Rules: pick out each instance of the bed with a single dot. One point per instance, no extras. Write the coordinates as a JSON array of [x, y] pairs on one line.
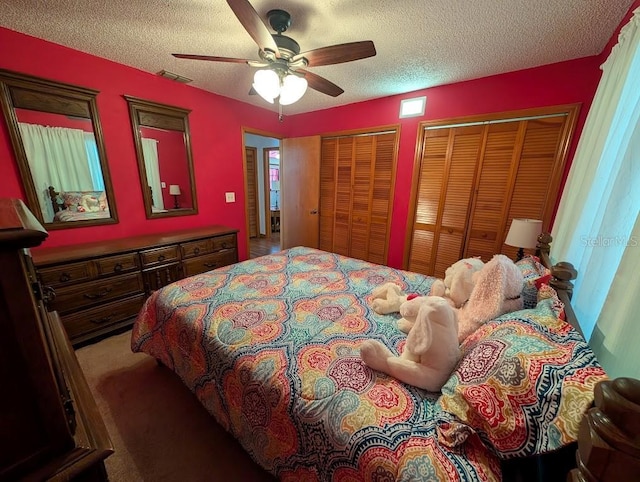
[[78, 205], [270, 347]]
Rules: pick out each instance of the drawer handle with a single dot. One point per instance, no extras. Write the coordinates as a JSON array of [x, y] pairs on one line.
[[210, 265], [224, 245], [99, 321], [161, 257], [95, 296], [117, 268], [64, 277], [196, 251]]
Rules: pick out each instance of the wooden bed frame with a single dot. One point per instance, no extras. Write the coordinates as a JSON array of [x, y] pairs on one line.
[[53, 194], [608, 447]]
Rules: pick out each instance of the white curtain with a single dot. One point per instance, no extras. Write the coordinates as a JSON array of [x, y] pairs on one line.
[[152, 166], [57, 157], [596, 227], [95, 168]]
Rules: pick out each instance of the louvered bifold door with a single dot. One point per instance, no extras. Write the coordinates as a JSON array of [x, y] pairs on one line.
[[344, 181], [381, 196], [357, 173], [537, 181], [498, 165], [328, 162], [443, 197]]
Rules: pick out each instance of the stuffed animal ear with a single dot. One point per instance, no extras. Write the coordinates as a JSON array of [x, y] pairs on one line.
[[420, 337], [433, 309]]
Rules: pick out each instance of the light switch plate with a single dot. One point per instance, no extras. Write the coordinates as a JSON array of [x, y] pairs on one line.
[[230, 197]]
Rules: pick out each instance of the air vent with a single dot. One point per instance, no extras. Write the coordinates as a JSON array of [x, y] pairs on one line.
[[176, 77]]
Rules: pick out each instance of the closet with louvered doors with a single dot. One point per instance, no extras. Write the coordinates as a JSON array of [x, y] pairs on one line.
[[357, 177], [472, 176]]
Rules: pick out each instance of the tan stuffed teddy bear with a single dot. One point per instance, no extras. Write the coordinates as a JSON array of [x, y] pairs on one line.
[[431, 352]]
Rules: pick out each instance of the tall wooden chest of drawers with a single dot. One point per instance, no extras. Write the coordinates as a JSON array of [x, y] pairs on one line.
[[98, 288]]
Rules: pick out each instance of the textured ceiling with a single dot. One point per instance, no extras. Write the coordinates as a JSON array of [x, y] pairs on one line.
[[419, 43]]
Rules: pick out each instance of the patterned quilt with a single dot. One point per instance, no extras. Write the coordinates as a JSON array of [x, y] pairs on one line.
[[270, 346]]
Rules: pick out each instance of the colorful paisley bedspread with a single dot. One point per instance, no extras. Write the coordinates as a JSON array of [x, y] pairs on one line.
[[270, 347]]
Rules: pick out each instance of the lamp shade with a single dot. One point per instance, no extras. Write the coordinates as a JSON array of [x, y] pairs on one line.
[[267, 84], [174, 189], [293, 88], [524, 233]]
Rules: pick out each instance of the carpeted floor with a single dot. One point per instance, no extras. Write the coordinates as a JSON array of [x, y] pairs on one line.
[[159, 430]]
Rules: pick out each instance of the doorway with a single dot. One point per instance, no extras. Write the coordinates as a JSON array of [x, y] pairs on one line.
[[262, 177]]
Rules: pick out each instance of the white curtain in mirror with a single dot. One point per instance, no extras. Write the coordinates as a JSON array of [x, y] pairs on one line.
[[152, 166], [57, 157]]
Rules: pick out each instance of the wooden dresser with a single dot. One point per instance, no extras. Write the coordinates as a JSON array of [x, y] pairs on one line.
[[99, 287], [50, 426]]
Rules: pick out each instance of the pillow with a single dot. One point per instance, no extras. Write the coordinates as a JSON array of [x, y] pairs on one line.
[[83, 201], [522, 385], [532, 270]]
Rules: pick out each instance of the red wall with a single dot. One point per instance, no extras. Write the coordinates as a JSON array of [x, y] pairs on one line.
[[216, 124], [216, 136]]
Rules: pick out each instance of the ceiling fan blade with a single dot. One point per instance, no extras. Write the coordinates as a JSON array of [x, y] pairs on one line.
[[321, 84], [211, 58], [254, 25], [337, 54]]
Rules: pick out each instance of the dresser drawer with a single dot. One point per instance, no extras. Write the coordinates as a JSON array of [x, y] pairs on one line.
[[65, 274], [122, 263], [224, 242], [101, 317], [196, 248], [71, 298], [154, 257], [201, 264]]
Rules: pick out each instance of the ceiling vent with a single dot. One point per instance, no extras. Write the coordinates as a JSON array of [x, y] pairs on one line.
[[176, 77]]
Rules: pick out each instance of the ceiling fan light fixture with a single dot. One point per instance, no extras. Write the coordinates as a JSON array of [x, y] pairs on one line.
[[267, 84], [292, 90]]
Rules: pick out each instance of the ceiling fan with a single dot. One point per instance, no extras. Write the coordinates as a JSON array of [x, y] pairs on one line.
[[284, 75]]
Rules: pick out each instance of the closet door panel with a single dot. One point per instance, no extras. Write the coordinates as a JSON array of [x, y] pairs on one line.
[[344, 181], [381, 196], [421, 251], [361, 196], [535, 190], [431, 179], [327, 192], [460, 172], [498, 166]]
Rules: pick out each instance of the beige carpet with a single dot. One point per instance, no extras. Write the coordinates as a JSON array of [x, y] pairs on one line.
[[159, 430]]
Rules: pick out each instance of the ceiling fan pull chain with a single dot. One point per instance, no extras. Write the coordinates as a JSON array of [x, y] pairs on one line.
[[280, 118]]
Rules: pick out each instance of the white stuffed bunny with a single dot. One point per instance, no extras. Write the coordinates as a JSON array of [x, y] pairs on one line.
[[458, 281], [431, 352]]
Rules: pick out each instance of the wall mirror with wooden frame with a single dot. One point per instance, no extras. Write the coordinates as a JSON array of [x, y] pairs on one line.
[[57, 139], [163, 148]]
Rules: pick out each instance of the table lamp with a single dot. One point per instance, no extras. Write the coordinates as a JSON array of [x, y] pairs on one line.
[[523, 234], [174, 190]]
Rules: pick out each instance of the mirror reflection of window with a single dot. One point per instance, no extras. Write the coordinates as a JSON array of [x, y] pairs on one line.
[[165, 161], [62, 153], [150, 154]]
